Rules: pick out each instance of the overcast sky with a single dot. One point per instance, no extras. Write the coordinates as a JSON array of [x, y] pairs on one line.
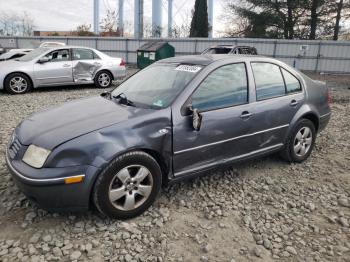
[[64, 15]]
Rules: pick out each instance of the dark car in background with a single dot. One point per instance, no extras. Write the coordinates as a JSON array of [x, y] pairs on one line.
[[178, 118], [230, 49]]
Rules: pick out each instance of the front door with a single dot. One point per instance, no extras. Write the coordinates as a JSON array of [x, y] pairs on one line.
[[222, 100], [58, 70]]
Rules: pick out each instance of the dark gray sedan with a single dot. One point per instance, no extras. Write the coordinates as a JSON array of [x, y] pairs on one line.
[[175, 119]]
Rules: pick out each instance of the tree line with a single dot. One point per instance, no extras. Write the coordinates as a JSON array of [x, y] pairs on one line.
[[289, 19]]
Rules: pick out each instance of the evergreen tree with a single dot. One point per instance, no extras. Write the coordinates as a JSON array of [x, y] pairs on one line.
[[199, 24]]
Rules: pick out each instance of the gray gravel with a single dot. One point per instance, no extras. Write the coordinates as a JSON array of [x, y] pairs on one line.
[[261, 210]]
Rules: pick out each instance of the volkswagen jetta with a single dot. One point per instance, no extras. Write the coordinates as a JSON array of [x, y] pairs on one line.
[[175, 119]]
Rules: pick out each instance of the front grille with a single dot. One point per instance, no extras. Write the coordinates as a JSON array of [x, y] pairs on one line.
[[14, 147]]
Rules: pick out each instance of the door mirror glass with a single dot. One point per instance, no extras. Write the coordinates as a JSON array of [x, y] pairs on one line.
[[43, 60], [196, 118]]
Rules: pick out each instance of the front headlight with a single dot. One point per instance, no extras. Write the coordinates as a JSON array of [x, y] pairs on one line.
[[35, 156]]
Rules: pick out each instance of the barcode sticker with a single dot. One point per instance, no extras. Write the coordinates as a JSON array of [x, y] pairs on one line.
[[188, 68]]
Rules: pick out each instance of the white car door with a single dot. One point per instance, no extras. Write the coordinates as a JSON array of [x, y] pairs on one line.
[[58, 69]]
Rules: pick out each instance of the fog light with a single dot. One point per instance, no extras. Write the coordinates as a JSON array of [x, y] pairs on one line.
[[74, 179]]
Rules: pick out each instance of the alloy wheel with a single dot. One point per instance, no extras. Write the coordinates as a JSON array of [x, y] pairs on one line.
[[18, 84], [104, 79], [130, 187], [303, 141]]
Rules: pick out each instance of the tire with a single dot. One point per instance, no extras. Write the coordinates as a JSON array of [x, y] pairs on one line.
[[117, 192], [300, 142], [17, 83], [103, 79]]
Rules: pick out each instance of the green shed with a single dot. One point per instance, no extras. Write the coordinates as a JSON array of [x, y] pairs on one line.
[[153, 51]]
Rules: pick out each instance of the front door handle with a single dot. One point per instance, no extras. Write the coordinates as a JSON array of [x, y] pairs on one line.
[[66, 65], [246, 115], [294, 103]]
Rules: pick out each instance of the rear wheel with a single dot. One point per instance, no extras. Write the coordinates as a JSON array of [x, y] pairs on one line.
[[17, 83], [300, 142], [128, 186], [103, 79]]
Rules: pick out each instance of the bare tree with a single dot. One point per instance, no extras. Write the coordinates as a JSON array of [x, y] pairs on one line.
[[14, 24], [108, 23]]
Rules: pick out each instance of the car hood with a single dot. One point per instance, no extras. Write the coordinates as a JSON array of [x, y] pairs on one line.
[[55, 126]]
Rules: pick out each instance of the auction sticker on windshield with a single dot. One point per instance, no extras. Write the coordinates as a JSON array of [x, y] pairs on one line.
[[188, 68]]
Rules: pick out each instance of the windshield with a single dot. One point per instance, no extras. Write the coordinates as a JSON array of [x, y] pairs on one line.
[[157, 86], [33, 54]]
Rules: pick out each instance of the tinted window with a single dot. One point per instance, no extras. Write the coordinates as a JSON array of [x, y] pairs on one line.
[[226, 86], [83, 54], [58, 55], [268, 80], [292, 83]]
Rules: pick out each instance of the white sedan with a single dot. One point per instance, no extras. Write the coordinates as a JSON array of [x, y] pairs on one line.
[[64, 65]]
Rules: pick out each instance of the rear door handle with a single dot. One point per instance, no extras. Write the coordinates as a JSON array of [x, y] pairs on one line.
[[246, 115], [66, 65], [97, 64], [294, 102]]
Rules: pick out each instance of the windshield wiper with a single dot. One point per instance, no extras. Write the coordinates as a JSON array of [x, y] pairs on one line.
[[123, 99]]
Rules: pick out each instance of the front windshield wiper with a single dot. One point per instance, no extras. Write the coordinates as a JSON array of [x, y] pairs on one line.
[[123, 99]]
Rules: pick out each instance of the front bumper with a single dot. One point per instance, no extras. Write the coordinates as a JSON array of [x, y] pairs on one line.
[[47, 188]]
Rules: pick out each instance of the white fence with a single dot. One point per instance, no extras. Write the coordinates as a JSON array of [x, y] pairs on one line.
[[318, 56]]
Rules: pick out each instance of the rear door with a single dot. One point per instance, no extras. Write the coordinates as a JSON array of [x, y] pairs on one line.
[[222, 100], [58, 70], [278, 97]]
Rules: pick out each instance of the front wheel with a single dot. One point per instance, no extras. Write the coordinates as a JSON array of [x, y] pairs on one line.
[[300, 142], [128, 186], [103, 79], [17, 83]]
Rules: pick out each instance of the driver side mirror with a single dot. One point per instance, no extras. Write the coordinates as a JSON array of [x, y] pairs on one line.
[[196, 118], [43, 60]]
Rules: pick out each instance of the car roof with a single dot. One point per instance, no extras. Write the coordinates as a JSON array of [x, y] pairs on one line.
[[209, 58], [66, 47]]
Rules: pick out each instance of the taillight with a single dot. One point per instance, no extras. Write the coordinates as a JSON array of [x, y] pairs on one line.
[[329, 97], [122, 62]]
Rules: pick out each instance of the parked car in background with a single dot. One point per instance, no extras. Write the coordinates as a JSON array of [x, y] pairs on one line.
[[14, 53], [2, 50], [231, 49], [178, 118], [65, 65], [51, 44]]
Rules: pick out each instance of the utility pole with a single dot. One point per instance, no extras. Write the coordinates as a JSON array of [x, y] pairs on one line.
[[210, 17], [138, 18], [156, 18], [121, 17], [170, 17], [96, 16]]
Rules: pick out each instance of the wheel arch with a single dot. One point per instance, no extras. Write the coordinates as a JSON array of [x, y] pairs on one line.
[[104, 70], [19, 72]]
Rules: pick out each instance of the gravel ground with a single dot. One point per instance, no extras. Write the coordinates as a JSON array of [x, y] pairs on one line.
[[261, 210]]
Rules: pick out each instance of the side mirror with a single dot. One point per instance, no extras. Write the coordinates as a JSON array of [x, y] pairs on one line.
[[43, 60], [196, 118]]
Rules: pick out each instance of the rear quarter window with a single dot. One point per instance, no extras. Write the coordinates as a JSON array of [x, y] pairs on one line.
[[292, 83]]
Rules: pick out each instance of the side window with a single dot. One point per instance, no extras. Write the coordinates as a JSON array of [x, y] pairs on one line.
[[58, 55], [224, 87], [83, 54], [96, 56], [292, 83], [268, 80]]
